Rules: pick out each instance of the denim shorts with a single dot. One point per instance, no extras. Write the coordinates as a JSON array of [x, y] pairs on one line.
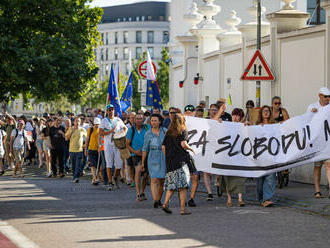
[[39, 144]]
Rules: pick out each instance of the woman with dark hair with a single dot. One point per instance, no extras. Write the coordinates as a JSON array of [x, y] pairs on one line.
[[249, 105], [266, 184], [234, 184], [175, 148], [47, 146], [152, 151]]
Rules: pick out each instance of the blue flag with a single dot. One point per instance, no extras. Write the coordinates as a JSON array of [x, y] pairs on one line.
[[153, 95], [126, 97], [113, 96]]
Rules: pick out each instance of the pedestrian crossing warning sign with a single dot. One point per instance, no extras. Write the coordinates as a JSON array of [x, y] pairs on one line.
[[258, 69]]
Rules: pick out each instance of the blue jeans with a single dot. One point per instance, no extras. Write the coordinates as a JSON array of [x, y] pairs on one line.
[[66, 158], [76, 161], [266, 187]]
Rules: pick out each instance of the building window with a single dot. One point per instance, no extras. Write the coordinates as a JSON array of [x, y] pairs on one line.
[[125, 52], [106, 38], [138, 53], [138, 36], [137, 18], [106, 55], [149, 18], [116, 53], [106, 69], [129, 19], [316, 12], [116, 37], [125, 37], [161, 18], [166, 37], [150, 36], [102, 58], [102, 38], [151, 52], [143, 18], [127, 69]]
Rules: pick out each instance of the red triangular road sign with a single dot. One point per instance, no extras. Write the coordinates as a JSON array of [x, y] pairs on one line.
[[258, 69]]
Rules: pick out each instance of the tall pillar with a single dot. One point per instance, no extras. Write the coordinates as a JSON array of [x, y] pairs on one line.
[[285, 20], [190, 55], [326, 6], [206, 31]]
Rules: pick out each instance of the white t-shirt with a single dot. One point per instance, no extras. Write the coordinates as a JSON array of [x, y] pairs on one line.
[[315, 105], [2, 150], [19, 141], [108, 124]]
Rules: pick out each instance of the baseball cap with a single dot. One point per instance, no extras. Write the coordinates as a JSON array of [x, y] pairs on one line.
[[189, 108], [109, 106], [97, 121], [324, 91]]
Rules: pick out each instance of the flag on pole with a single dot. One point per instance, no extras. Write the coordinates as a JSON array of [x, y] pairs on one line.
[[113, 96], [126, 97], [229, 100], [153, 95]]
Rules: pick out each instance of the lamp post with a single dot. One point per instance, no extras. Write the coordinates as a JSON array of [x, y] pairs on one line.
[[258, 84]]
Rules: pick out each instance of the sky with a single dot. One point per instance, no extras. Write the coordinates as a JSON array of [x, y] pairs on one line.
[[104, 3]]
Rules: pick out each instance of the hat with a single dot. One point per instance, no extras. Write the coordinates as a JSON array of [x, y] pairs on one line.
[[109, 106], [222, 100], [97, 121], [189, 108], [21, 121], [324, 91]]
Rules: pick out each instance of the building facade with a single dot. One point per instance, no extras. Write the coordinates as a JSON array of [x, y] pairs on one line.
[[129, 30]]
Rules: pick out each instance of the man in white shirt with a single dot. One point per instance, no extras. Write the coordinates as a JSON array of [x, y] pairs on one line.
[[324, 97], [18, 140], [112, 128]]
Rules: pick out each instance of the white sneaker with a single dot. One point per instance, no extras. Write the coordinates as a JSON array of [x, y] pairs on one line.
[[49, 174]]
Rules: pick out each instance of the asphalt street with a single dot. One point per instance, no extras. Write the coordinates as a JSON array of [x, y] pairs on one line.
[[58, 213]]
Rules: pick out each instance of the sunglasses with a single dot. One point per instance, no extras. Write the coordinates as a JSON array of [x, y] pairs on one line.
[[110, 109], [172, 113], [277, 103], [327, 96]]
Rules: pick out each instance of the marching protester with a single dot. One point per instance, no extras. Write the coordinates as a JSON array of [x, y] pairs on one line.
[[249, 105], [9, 127], [175, 148], [266, 184], [110, 127], [3, 136], [47, 146], [234, 184], [324, 97], [92, 149], [39, 142], [75, 135], [134, 143], [18, 141], [66, 146], [57, 138], [279, 114], [152, 152]]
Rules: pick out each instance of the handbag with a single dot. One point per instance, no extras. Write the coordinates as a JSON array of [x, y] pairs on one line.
[[120, 143]]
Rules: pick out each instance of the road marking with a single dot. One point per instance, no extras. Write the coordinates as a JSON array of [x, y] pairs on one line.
[[250, 212], [15, 236]]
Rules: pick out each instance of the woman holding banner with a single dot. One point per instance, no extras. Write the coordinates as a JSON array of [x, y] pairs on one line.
[[235, 185], [178, 162], [266, 185]]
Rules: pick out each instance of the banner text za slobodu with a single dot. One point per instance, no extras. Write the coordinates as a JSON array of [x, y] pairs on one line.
[[233, 149]]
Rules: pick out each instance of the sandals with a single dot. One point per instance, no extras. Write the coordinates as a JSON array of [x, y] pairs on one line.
[[267, 204], [166, 209], [185, 212], [240, 203], [229, 204], [318, 195]]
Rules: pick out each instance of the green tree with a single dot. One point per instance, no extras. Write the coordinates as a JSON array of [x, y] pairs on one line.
[[47, 48], [163, 77]]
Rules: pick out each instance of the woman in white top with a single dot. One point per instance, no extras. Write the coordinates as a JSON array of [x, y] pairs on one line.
[[39, 141]]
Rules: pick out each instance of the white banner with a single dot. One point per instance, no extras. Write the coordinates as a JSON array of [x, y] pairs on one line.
[[233, 149]]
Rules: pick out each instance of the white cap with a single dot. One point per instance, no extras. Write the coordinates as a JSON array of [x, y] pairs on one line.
[[97, 121], [324, 91]]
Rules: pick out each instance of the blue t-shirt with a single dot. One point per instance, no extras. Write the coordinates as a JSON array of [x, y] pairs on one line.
[[138, 139]]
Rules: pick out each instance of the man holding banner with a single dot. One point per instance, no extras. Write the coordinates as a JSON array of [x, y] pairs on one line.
[[324, 95]]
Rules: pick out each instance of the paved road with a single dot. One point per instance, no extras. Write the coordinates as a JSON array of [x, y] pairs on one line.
[[57, 213]]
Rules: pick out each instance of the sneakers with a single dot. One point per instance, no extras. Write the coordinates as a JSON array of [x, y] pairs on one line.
[[49, 175], [191, 203], [132, 185], [76, 180], [143, 197], [116, 183], [110, 187], [210, 197]]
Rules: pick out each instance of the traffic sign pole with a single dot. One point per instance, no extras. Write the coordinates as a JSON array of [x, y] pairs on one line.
[[258, 84]]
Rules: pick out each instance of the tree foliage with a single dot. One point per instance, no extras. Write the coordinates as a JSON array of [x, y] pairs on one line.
[[47, 48], [163, 76]]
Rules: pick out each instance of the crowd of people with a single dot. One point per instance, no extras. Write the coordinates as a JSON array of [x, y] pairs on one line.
[[137, 149]]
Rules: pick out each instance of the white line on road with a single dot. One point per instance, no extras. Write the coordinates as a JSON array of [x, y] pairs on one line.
[[15, 236]]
